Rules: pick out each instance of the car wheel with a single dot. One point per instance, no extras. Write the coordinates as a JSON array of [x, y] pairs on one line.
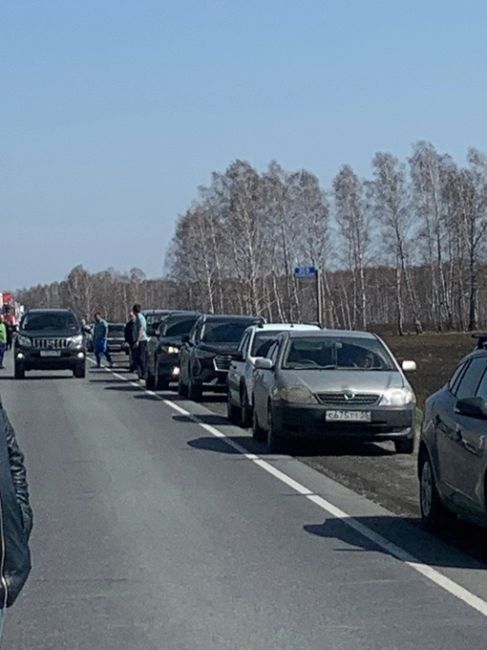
[[274, 440], [80, 371], [434, 514], [245, 410], [161, 383], [182, 388], [150, 380], [404, 446], [19, 371], [195, 392], [258, 432], [232, 412]]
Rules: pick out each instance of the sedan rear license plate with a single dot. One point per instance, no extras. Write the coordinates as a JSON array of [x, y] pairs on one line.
[[50, 353], [348, 416]]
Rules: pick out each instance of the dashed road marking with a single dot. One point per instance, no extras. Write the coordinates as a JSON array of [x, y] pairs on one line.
[[427, 571]]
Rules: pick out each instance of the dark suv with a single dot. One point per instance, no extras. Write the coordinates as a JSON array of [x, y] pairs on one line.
[[163, 348], [206, 353], [49, 339]]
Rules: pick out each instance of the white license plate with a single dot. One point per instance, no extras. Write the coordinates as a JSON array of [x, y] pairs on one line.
[[50, 353], [348, 416]]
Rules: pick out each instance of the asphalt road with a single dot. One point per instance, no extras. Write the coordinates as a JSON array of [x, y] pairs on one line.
[[154, 529]]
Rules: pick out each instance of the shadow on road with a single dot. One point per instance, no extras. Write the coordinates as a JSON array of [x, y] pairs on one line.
[[448, 549]]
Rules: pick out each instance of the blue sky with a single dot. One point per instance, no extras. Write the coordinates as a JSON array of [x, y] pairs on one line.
[[113, 112]]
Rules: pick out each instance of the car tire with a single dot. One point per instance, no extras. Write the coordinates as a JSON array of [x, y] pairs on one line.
[[19, 371], [232, 412], [161, 383], [80, 371], [195, 391], [404, 446], [274, 440], [150, 380], [182, 388], [434, 513], [245, 410], [258, 432]]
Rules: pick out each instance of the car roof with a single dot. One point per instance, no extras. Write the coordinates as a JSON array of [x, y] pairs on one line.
[[285, 327], [234, 317], [156, 311], [49, 310], [333, 333]]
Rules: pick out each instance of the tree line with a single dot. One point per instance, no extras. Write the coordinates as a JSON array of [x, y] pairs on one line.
[[404, 248]]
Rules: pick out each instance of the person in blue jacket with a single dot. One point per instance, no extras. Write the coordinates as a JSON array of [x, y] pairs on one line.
[[100, 340]]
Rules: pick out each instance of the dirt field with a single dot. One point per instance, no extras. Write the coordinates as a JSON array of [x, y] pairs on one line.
[[436, 356]]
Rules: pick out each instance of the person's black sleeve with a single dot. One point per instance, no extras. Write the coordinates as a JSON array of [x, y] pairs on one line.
[[19, 476]]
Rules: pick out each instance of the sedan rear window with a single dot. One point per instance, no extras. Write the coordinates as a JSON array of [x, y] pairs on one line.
[[341, 353]]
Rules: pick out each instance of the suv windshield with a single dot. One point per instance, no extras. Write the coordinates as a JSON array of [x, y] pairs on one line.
[[116, 329], [224, 331], [179, 327], [50, 322], [341, 353]]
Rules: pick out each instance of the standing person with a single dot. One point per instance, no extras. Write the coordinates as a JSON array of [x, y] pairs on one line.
[[100, 340], [16, 517], [130, 335], [3, 339], [141, 338]]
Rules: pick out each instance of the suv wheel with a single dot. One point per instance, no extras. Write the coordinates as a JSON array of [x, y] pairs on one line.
[[182, 388], [150, 380], [195, 391], [404, 446], [80, 371], [433, 513], [258, 432], [245, 410], [232, 412], [19, 371]]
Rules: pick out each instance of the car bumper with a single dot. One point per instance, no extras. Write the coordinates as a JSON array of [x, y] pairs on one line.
[[388, 423], [32, 360]]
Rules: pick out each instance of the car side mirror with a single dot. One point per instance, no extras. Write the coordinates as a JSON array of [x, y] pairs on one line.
[[409, 366], [151, 330], [262, 363], [472, 407]]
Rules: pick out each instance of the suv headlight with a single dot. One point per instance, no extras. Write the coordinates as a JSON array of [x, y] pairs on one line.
[[172, 349], [295, 394], [397, 397], [76, 341], [24, 341]]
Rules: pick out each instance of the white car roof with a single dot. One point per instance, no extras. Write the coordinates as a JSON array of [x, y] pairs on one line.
[[284, 327]]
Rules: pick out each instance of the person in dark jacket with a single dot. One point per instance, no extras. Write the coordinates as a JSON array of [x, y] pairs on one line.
[[15, 518], [130, 335]]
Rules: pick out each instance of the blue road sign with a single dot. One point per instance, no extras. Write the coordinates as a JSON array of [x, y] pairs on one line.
[[305, 272]]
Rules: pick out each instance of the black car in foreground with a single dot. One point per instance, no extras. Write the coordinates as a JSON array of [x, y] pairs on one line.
[[207, 351], [162, 365], [49, 339], [452, 459]]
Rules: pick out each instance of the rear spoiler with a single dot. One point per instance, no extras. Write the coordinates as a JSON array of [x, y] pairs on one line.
[[481, 338]]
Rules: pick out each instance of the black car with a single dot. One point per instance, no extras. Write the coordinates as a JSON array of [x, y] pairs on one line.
[[162, 364], [206, 353], [50, 339], [452, 459]]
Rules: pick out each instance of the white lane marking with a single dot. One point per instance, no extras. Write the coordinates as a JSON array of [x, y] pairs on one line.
[[433, 575]]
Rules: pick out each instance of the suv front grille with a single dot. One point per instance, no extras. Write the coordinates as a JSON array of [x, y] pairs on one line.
[[50, 343], [348, 399], [222, 363]]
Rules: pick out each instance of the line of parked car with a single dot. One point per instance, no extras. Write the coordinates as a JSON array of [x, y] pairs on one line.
[[298, 381]]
